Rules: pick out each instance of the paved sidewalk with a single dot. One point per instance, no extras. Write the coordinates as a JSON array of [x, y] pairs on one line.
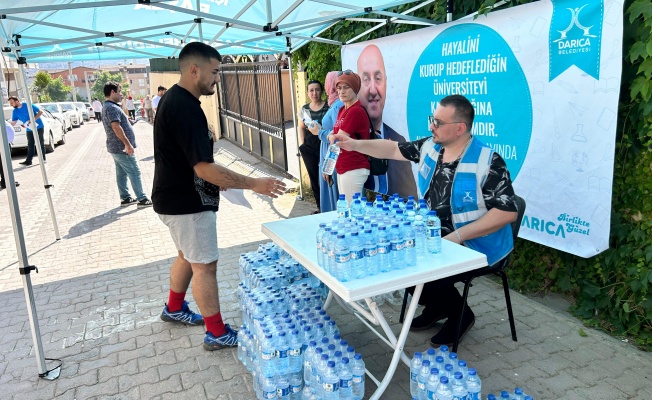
[[101, 288]]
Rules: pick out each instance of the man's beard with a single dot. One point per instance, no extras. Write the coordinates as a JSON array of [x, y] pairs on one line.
[[208, 91]]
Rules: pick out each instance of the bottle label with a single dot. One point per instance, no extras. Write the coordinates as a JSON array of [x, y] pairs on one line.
[[370, 251], [345, 383], [474, 396], [422, 386], [269, 395], [343, 258], [317, 377], [282, 353], [244, 348], [268, 356], [318, 246], [344, 214], [413, 376], [308, 365], [357, 254], [357, 379], [295, 389], [433, 233], [409, 243], [383, 249], [295, 352], [282, 392], [431, 395], [331, 387], [397, 246]]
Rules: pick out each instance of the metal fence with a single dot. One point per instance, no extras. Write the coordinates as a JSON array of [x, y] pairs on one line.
[[251, 109]]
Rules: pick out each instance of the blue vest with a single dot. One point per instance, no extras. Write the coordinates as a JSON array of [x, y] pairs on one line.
[[467, 203]]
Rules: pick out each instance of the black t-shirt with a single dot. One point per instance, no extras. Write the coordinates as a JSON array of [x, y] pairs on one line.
[[308, 138], [181, 140], [497, 190]]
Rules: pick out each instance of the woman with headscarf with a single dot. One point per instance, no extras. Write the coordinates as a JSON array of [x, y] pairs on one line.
[[315, 111], [328, 183], [352, 120]]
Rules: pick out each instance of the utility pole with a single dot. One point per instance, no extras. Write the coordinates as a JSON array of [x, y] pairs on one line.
[[72, 82]]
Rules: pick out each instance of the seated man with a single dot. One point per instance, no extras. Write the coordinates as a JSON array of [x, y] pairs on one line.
[[475, 206]]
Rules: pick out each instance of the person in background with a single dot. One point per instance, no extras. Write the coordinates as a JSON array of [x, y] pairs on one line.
[[131, 107], [328, 193], [469, 186], [21, 113], [147, 104], [97, 109], [352, 121], [10, 139], [157, 98], [315, 110]]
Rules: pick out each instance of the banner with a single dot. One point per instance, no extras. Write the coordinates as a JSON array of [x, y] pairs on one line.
[[544, 79]]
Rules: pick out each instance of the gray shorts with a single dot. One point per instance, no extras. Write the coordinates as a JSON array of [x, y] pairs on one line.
[[195, 235]]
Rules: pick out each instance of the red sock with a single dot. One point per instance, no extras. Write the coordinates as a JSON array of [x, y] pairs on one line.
[[215, 325], [175, 302]]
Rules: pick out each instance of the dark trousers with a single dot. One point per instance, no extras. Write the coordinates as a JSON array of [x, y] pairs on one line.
[[31, 149], [442, 295], [98, 116], [310, 157]]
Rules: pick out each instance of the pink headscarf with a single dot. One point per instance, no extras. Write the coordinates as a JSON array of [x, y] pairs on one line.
[[331, 82]]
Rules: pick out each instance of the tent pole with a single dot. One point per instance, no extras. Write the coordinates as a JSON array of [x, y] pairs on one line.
[[449, 10], [294, 117], [24, 266], [44, 174]]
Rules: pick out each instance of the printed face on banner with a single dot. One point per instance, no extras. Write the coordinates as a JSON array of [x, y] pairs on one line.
[[371, 68], [475, 61]]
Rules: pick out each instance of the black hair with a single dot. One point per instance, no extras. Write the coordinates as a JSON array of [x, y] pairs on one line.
[[313, 81], [463, 108], [109, 87], [14, 98], [199, 50], [161, 88]]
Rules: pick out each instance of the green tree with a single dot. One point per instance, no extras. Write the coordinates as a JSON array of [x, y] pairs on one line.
[[57, 90], [40, 86], [101, 79]]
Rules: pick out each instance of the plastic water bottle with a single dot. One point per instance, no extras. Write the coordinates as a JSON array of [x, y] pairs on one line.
[[379, 201], [443, 351], [296, 384], [319, 240], [491, 396], [346, 380], [459, 387], [282, 387], [415, 366], [267, 357], [384, 248], [342, 259], [242, 348], [432, 383], [331, 383], [357, 209], [357, 256], [397, 252], [518, 394], [342, 208], [295, 351], [420, 235], [433, 224], [330, 247], [422, 379], [474, 385], [504, 394], [269, 388], [331, 159], [369, 243], [358, 371], [369, 209], [444, 391], [282, 359], [408, 234], [308, 360]]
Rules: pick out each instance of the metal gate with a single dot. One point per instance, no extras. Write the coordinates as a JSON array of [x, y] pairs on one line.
[[251, 109]]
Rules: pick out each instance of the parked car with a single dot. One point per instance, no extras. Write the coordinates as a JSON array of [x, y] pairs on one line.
[[57, 110], [75, 114], [53, 132], [81, 106], [89, 110]]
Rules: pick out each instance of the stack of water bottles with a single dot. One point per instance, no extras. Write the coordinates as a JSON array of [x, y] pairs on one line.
[[518, 394], [440, 375], [371, 238], [289, 344]]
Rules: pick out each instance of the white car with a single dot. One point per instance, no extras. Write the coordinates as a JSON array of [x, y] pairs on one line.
[[58, 111], [82, 107], [75, 113], [53, 133]]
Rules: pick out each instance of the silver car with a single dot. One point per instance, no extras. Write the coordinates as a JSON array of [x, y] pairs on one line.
[[53, 132], [81, 106]]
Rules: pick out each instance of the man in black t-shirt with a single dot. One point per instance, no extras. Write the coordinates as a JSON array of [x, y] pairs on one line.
[[475, 208], [186, 193]]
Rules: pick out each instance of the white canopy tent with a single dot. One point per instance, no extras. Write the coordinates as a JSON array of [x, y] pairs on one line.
[[85, 30]]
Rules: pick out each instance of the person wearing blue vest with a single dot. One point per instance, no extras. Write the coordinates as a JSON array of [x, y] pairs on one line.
[[469, 186]]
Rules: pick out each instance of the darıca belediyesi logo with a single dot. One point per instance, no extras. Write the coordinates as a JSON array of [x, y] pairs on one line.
[[575, 36]]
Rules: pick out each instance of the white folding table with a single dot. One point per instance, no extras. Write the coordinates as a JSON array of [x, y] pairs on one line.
[[297, 236]]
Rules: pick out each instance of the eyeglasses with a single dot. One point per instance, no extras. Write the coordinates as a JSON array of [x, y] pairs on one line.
[[437, 123], [345, 72]]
